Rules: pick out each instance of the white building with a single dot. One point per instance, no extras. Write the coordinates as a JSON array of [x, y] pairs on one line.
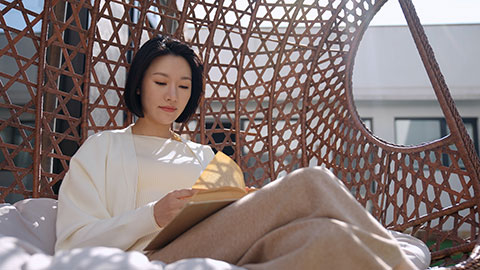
[[391, 86]]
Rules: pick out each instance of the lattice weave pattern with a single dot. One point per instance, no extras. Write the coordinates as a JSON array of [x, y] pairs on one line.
[[278, 97]]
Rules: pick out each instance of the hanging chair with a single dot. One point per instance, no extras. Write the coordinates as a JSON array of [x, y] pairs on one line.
[[278, 97]]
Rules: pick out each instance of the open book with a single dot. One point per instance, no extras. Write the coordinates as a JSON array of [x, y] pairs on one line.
[[220, 184]]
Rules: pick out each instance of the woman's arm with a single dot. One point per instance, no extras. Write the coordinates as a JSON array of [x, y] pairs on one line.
[[170, 205], [83, 218]]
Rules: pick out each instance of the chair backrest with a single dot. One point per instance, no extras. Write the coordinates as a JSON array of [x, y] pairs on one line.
[[278, 97]]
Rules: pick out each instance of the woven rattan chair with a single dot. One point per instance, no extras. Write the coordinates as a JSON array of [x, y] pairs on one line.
[[278, 97]]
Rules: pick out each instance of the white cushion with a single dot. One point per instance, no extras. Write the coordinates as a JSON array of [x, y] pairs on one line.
[[414, 248], [16, 254], [27, 239], [31, 220]]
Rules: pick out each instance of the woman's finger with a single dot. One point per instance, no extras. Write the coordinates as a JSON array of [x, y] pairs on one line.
[[184, 193]]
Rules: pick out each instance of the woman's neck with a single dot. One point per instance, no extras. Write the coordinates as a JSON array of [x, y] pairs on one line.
[[142, 127]]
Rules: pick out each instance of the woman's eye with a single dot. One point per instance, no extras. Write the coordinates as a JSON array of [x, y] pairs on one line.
[[184, 86], [161, 83]]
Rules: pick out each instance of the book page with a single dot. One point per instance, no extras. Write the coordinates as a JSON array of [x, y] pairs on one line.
[[221, 171], [220, 184]]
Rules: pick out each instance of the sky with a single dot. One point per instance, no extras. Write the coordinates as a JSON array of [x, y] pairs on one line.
[[431, 12]]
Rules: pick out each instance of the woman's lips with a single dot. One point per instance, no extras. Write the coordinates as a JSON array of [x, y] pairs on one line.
[[168, 109]]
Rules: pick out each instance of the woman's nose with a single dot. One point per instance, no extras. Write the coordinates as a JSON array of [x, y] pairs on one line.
[[171, 93]]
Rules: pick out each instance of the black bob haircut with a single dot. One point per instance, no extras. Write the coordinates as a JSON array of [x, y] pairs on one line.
[[155, 47]]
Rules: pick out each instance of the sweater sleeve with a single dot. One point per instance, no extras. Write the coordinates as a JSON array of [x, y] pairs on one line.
[[83, 218]]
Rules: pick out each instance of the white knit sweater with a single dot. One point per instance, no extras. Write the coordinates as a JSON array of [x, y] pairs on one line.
[[97, 198]]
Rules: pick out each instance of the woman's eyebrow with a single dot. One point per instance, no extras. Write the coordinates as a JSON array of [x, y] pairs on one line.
[[160, 73], [164, 74]]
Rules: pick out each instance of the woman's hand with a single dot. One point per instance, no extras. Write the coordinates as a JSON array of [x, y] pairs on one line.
[[169, 206]]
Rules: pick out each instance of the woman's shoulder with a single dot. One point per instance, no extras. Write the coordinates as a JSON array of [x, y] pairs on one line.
[[199, 146], [205, 151], [102, 140], [108, 134]]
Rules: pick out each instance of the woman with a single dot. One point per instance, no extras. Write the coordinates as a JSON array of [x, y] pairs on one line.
[[124, 186]]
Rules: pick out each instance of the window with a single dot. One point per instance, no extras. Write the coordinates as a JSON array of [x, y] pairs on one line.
[[368, 122], [11, 135], [413, 131]]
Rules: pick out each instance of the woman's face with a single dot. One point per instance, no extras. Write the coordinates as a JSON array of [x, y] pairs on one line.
[[166, 88]]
